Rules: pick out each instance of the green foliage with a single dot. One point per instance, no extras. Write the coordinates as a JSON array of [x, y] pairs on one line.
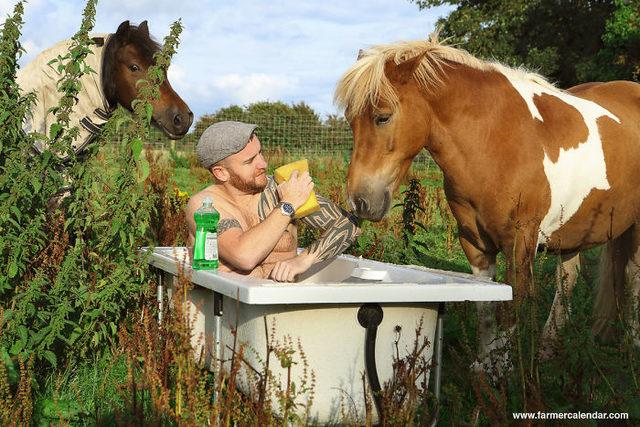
[[26, 184], [71, 67], [71, 269], [17, 172], [260, 111], [178, 160], [570, 42], [586, 375], [620, 57], [85, 394], [16, 404], [12, 106], [411, 205]]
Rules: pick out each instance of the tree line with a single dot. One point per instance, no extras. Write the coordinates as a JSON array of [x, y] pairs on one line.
[[293, 126], [570, 42]]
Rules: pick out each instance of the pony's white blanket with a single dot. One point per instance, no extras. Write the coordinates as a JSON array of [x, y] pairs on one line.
[[91, 110]]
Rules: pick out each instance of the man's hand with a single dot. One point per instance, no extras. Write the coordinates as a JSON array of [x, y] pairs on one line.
[[296, 189], [286, 271]]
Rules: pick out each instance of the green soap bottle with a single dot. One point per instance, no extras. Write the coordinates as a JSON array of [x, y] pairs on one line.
[[205, 249]]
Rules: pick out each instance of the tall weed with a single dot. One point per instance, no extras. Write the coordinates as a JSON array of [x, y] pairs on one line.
[[71, 270]]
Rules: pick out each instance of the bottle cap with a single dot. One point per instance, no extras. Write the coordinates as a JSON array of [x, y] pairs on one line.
[[207, 202]]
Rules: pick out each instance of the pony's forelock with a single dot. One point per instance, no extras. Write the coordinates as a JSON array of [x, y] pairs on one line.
[[366, 84]]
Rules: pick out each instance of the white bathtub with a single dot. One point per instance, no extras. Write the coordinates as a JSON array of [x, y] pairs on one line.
[[322, 311]]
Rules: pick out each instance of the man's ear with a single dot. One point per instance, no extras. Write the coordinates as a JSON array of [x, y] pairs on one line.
[[220, 173]]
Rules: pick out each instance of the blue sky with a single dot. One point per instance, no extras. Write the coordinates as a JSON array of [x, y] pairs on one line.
[[239, 52]]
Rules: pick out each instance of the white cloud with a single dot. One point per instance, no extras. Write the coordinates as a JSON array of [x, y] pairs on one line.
[[177, 75], [246, 89], [6, 6], [244, 51], [31, 49]]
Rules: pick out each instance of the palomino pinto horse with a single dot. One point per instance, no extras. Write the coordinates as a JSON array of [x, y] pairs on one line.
[[118, 60], [525, 164]]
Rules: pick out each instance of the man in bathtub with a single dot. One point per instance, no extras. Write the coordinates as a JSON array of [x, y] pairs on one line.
[[257, 234]]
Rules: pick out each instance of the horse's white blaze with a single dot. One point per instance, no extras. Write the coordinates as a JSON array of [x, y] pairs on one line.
[[577, 170]]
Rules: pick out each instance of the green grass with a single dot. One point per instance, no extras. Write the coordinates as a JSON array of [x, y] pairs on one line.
[[587, 375], [85, 394], [184, 180]]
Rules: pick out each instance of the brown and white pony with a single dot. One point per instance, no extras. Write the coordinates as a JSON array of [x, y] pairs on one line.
[[525, 163]]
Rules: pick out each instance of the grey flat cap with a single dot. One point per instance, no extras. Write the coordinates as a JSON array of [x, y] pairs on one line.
[[222, 139]]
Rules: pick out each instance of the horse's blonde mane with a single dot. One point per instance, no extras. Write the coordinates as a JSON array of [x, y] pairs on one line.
[[365, 83]]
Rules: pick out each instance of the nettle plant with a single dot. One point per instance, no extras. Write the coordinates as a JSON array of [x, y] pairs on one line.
[[412, 205], [69, 273]]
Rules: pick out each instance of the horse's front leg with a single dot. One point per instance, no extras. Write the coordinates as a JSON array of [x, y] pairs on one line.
[[519, 255], [481, 253], [483, 264], [498, 320], [566, 277]]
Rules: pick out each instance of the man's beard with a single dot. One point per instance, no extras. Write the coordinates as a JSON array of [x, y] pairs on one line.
[[250, 186]]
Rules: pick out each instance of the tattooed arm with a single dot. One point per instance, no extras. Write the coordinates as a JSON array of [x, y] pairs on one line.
[[339, 229], [227, 224]]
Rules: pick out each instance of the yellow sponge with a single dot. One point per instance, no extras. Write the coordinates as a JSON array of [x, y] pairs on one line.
[[284, 172]]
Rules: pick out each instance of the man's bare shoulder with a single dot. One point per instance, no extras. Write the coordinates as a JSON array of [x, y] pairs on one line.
[[219, 202], [196, 199]]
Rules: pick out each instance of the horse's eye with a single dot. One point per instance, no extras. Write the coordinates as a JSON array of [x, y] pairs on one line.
[[134, 68], [381, 119]]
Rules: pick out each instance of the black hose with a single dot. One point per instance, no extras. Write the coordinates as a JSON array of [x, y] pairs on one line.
[[369, 317]]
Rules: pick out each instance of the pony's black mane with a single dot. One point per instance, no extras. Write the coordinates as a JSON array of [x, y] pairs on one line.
[[145, 44]]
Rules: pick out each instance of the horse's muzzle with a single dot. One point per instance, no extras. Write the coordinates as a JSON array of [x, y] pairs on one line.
[[372, 206], [175, 123], [182, 122]]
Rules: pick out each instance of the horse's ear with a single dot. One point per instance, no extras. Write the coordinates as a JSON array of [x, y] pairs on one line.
[[144, 28], [123, 30], [402, 72], [360, 54]]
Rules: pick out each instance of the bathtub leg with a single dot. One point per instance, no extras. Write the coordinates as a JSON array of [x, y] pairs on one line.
[[437, 354], [217, 313], [160, 294], [217, 316], [370, 316]]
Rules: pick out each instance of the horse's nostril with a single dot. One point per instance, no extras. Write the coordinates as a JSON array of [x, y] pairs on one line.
[[361, 204], [183, 120], [352, 204]]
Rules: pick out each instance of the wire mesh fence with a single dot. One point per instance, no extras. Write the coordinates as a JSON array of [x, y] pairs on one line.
[[292, 135]]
